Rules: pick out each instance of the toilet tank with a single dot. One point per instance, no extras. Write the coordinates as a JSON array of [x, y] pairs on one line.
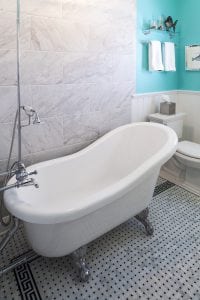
[[173, 121]]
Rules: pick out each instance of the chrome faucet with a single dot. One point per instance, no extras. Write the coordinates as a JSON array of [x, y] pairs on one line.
[[21, 175]]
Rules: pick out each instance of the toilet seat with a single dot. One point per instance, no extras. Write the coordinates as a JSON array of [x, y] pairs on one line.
[[189, 149]]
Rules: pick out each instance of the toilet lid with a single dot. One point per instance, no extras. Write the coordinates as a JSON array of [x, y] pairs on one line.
[[189, 148]]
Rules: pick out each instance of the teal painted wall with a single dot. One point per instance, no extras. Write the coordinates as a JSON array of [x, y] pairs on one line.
[[153, 81], [189, 34]]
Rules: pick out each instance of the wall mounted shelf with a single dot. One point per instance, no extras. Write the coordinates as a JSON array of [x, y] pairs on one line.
[[154, 30]]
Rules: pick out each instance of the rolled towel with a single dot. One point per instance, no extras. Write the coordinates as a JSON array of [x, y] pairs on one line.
[[169, 56], [155, 56]]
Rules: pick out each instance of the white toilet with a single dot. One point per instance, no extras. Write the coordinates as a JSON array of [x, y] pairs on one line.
[[184, 168]]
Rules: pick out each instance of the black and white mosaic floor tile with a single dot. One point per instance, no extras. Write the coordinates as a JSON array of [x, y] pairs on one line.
[[125, 263]]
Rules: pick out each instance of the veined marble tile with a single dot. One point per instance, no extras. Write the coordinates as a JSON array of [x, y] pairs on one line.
[[8, 31], [71, 99], [58, 35], [6, 136], [35, 138], [120, 117], [8, 67], [76, 98], [90, 68], [8, 5], [113, 37], [43, 136], [58, 152], [110, 96], [47, 99], [95, 12], [48, 8], [8, 102], [41, 67], [55, 100], [124, 68], [79, 128], [25, 33], [3, 166]]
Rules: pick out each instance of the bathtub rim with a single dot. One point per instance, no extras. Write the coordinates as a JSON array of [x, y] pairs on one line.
[[103, 197]]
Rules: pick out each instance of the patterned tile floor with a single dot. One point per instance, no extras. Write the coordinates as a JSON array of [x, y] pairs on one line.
[[125, 263]]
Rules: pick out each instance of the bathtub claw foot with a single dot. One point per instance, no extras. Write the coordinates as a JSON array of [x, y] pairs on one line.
[[80, 264], [143, 218], [84, 274]]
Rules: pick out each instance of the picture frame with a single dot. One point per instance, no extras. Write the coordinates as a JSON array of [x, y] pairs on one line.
[[192, 58]]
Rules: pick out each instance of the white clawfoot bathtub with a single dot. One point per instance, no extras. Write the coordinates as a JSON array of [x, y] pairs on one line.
[[84, 195]]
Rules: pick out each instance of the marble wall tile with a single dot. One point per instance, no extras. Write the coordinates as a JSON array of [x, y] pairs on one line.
[[58, 152], [120, 117], [8, 74], [25, 33], [3, 166], [82, 127], [55, 100], [95, 12], [47, 100], [48, 8], [124, 68], [102, 120], [71, 99], [35, 138], [8, 31], [8, 102], [57, 35], [6, 136], [77, 98], [88, 68], [114, 38], [44, 136], [8, 5], [41, 67], [110, 96]]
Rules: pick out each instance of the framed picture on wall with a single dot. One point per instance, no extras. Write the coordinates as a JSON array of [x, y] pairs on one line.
[[192, 58]]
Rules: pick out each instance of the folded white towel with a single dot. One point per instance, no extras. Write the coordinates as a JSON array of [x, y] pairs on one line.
[[169, 56], [155, 56]]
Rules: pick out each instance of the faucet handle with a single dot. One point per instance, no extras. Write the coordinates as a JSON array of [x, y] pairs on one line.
[[33, 173], [28, 182], [34, 182]]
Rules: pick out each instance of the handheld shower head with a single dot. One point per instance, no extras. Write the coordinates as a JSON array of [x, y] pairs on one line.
[[29, 111]]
